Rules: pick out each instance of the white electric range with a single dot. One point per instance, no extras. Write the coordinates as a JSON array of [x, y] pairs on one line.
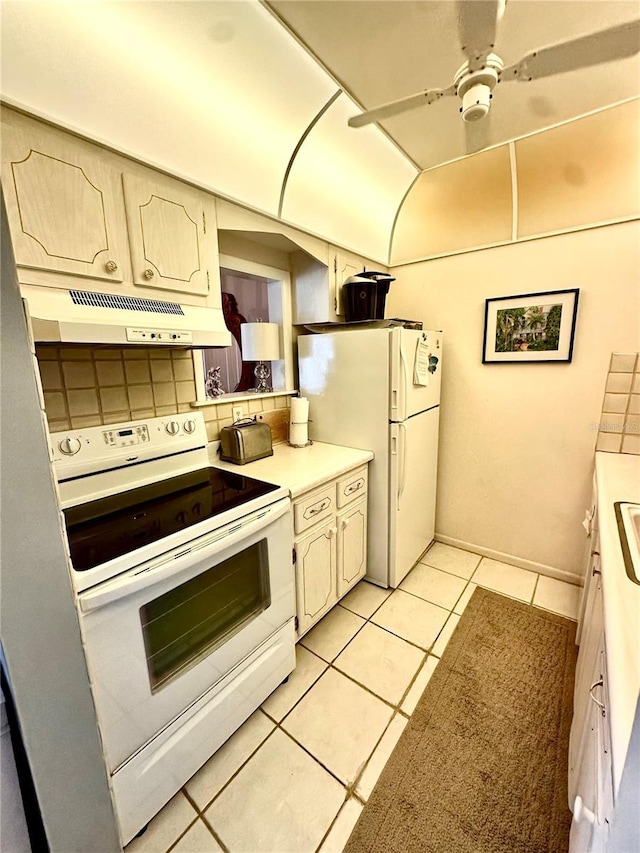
[[185, 592]]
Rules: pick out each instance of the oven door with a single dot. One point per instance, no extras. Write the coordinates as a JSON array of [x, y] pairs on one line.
[[159, 636]]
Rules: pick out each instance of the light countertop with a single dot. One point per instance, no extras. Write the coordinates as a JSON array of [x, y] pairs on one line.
[[618, 479], [298, 468]]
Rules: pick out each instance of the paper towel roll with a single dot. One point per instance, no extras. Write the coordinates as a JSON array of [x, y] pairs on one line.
[[299, 410], [298, 434]]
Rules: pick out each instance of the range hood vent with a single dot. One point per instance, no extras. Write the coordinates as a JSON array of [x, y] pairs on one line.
[[126, 303], [84, 316]]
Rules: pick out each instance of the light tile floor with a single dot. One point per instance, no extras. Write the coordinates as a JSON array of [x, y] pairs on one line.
[[296, 775]]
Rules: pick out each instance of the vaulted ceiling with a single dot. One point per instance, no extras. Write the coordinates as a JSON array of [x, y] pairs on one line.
[[382, 50], [251, 100]]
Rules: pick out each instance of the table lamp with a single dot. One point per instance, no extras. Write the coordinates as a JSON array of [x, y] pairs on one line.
[[261, 342]]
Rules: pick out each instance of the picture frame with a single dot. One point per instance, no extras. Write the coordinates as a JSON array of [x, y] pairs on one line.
[[530, 327]]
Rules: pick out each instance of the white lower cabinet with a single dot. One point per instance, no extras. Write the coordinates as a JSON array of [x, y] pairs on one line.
[[590, 772], [330, 526], [315, 574], [352, 547]]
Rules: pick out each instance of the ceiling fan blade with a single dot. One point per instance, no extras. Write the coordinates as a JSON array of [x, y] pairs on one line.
[[477, 28], [594, 49], [402, 105], [478, 134]]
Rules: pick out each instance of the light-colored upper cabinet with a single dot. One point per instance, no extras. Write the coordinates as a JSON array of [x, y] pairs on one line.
[[172, 235], [64, 206], [343, 265], [317, 288], [80, 211]]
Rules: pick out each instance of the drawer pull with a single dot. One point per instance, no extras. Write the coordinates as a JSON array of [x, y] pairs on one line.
[[598, 703], [581, 812], [354, 487], [316, 508]]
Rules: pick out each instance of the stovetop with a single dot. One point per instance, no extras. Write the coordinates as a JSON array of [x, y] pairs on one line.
[[107, 528], [132, 491]]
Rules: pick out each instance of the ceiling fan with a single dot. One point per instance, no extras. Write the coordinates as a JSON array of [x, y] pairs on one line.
[[474, 81]]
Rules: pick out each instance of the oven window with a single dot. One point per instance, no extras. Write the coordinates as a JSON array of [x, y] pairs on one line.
[[182, 625]]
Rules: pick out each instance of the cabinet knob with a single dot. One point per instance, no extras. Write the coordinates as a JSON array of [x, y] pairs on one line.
[[148, 274], [332, 532], [111, 266]]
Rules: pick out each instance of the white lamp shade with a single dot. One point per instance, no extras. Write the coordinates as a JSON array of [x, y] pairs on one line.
[[260, 341]]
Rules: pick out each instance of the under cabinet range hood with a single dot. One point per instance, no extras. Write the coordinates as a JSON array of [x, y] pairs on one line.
[[87, 317]]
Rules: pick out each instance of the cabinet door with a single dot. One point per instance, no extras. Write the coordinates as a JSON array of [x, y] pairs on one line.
[[590, 777], [173, 238], [582, 741], [313, 290], [352, 546], [315, 574], [345, 264], [586, 774], [65, 206]]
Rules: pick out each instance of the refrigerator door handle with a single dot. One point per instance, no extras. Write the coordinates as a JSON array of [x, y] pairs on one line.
[[402, 391], [403, 456]]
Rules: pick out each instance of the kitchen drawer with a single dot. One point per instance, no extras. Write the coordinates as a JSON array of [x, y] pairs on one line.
[[352, 486], [314, 507]]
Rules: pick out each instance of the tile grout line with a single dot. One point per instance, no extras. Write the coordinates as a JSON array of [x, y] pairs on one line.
[[317, 760], [344, 606], [535, 588], [182, 834], [442, 607], [445, 571], [202, 811], [218, 839]]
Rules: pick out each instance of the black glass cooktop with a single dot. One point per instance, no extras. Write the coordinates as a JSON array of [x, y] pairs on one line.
[[101, 530]]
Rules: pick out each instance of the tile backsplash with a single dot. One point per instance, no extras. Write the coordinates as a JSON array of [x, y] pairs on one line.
[[619, 426], [91, 386]]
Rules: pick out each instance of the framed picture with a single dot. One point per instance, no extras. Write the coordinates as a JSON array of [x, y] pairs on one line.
[[530, 327]]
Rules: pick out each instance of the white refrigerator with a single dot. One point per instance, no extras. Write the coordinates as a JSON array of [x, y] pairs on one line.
[[364, 392]]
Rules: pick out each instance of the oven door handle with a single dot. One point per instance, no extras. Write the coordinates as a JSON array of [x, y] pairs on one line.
[[170, 566]]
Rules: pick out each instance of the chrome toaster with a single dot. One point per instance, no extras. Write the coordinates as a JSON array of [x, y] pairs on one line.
[[245, 441]]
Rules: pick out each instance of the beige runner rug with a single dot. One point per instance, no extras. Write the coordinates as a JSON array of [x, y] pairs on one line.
[[482, 764]]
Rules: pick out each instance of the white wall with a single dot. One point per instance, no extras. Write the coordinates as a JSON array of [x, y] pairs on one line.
[[517, 441]]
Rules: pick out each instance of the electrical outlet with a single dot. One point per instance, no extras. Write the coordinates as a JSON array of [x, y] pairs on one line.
[[236, 413]]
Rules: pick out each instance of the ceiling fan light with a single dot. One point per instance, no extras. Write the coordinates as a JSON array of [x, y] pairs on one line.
[[476, 102]]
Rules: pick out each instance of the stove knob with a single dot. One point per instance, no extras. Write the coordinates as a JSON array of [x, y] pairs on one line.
[[173, 427], [181, 517], [197, 509], [69, 446], [189, 426]]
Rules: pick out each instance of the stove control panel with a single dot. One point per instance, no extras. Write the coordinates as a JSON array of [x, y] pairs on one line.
[[124, 437], [92, 449]]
